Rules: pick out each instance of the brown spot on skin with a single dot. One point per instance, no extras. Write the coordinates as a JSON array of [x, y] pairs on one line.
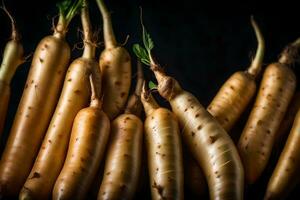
[[50, 141], [54, 126], [77, 91], [163, 155], [123, 187], [292, 159], [189, 100], [127, 59], [72, 155], [60, 135], [152, 117], [246, 138], [226, 119], [126, 155], [278, 105], [268, 132], [69, 100], [199, 127], [216, 172], [218, 176], [246, 147], [103, 193], [82, 159], [157, 169], [263, 153], [231, 87], [192, 107], [76, 139], [193, 134], [27, 116], [197, 115], [159, 146], [280, 90], [43, 147], [32, 81], [212, 139], [159, 189], [59, 71], [127, 118], [41, 60], [107, 173], [35, 86], [118, 83], [35, 175], [46, 46], [287, 169], [123, 94], [26, 86], [69, 80], [185, 110]]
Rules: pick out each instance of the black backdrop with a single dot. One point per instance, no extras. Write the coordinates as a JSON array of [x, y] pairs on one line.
[[201, 43]]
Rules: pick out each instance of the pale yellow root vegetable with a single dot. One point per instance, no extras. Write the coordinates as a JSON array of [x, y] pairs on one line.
[[12, 58], [208, 142], [87, 145], [115, 64], [75, 95], [236, 93], [275, 93], [285, 174], [164, 150], [40, 96], [124, 154]]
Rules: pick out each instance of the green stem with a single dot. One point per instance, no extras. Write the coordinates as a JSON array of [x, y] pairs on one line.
[[67, 11], [256, 64], [109, 36], [89, 48]]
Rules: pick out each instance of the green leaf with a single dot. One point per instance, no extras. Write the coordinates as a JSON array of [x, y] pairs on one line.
[[152, 85], [141, 53], [147, 40]]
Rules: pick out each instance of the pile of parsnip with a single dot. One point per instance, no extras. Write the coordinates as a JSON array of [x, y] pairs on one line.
[[78, 133]]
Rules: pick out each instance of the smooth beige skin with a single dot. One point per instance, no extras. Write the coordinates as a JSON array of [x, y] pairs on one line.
[[208, 142], [285, 175], [232, 99], [75, 96], [115, 65], [237, 92], [12, 58], [164, 151], [88, 141], [258, 137], [194, 178], [123, 159], [35, 109]]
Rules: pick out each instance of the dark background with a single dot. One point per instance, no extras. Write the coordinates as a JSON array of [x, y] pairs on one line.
[[201, 43]]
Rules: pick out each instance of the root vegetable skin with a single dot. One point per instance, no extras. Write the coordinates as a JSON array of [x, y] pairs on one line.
[[115, 65], [12, 58], [34, 113], [123, 161], [124, 154], [164, 151], [236, 93], [74, 97], [37, 104], [283, 179], [256, 142], [89, 136], [232, 99], [208, 142]]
